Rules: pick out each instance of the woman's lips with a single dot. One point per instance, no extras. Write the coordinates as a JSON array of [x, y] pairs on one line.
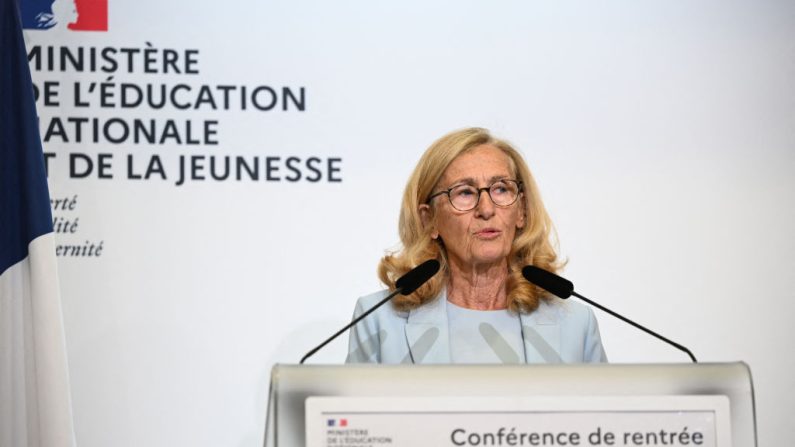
[[488, 233]]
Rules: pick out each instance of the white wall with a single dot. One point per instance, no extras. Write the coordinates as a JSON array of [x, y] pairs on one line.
[[661, 134]]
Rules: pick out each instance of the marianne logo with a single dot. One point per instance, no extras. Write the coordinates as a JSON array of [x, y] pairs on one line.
[[75, 15], [337, 422]]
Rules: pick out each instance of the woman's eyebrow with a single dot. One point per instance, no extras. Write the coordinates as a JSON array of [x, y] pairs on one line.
[[463, 181], [472, 182], [497, 178]]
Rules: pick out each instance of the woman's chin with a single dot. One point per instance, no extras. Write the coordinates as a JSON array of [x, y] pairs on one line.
[[488, 260]]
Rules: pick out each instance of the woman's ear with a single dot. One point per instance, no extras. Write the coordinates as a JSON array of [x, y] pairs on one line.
[[520, 223], [426, 215]]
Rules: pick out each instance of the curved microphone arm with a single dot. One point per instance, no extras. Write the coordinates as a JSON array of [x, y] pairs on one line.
[[563, 288], [348, 326], [404, 285], [644, 329]]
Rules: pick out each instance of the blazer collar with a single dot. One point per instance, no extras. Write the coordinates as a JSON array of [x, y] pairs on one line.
[[541, 334], [428, 336], [426, 332]]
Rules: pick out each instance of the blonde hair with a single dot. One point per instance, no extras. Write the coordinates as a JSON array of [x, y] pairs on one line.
[[531, 245]]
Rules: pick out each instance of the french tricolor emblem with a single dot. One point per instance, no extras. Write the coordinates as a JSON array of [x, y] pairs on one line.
[[337, 422]]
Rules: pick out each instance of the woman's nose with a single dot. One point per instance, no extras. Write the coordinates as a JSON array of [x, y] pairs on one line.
[[485, 206]]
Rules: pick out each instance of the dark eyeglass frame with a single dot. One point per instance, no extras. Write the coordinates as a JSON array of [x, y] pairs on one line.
[[519, 191]]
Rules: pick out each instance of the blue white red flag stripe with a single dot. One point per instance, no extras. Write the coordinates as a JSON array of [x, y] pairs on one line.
[[35, 404], [24, 199]]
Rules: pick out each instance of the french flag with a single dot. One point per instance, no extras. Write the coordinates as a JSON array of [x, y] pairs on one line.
[[35, 404]]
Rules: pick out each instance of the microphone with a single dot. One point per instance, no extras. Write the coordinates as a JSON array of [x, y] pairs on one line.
[[405, 285], [417, 276], [563, 288]]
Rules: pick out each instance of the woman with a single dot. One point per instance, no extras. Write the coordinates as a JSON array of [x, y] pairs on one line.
[[472, 204]]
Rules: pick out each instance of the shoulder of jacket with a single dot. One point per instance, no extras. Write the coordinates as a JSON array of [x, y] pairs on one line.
[[570, 309], [368, 301]]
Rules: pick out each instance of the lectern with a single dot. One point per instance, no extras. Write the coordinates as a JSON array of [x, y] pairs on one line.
[[522, 405]]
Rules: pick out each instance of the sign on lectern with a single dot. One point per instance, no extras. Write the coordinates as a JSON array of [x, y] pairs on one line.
[[523, 405]]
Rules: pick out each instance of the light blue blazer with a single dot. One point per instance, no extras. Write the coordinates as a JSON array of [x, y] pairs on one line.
[[557, 332]]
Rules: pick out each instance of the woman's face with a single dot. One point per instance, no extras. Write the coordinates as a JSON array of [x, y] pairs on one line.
[[482, 236]]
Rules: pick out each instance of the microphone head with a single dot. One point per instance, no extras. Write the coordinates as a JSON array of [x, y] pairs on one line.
[[548, 281], [417, 276]]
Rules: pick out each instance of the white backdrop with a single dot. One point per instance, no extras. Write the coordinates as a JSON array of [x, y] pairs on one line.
[[662, 135]]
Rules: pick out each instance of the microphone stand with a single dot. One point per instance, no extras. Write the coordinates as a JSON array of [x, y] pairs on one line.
[[627, 320], [355, 320]]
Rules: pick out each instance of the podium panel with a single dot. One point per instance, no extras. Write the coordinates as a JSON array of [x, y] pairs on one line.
[[588, 405]]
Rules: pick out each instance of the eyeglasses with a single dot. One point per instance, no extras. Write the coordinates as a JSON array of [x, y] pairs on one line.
[[466, 197]]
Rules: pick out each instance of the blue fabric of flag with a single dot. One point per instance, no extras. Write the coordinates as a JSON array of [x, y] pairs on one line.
[[24, 199]]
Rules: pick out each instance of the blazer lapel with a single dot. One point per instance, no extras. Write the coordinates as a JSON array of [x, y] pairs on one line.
[[426, 332], [541, 335]]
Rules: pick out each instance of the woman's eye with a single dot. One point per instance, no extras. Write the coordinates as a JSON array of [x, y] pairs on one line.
[[499, 188]]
